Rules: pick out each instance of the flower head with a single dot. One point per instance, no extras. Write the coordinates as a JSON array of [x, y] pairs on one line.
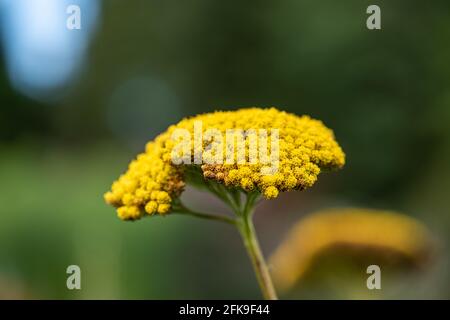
[[383, 235], [303, 148]]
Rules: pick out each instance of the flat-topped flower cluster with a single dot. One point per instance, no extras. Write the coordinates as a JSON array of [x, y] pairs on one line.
[[303, 148]]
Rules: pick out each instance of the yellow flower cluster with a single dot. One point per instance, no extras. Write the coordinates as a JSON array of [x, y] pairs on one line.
[[149, 185], [373, 231], [305, 147]]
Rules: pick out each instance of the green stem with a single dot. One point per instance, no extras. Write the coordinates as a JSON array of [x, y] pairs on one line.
[[247, 231], [222, 193], [244, 224], [184, 210]]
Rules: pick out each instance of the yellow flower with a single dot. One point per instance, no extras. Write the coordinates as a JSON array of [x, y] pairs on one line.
[[148, 186], [380, 233], [305, 147]]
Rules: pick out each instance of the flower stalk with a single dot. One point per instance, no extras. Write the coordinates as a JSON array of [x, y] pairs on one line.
[[247, 231], [221, 218], [244, 224]]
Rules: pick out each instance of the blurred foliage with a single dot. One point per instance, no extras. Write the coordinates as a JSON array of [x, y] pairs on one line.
[[385, 93]]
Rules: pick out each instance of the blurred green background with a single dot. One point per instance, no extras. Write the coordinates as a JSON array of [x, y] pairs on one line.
[[77, 105]]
